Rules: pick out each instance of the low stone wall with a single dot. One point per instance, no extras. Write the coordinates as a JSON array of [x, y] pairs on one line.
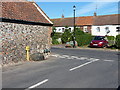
[[15, 37]]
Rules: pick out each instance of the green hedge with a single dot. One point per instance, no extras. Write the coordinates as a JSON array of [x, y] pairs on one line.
[[111, 40], [117, 41], [84, 39], [55, 37], [66, 36], [55, 41]]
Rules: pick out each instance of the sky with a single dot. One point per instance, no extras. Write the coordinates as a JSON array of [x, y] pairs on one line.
[[56, 9]]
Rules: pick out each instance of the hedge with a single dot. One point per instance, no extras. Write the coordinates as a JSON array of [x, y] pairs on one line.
[[117, 41], [111, 40], [84, 39], [55, 37]]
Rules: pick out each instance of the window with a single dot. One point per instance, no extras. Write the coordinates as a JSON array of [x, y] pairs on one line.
[[107, 30], [86, 30], [63, 29], [70, 29], [118, 29], [59, 29], [98, 29]]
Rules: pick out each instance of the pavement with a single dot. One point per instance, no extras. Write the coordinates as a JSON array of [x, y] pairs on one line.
[[85, 47], [66, 68]]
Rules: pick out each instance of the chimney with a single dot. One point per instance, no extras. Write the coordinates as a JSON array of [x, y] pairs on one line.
[[95, 14], [62, 16]]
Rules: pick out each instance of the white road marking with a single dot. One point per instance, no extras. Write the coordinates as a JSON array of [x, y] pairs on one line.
[[61, 57], [83, 64], [109, 60], [38, 84], [55, 55], [74, 57], [65, 55], [78, 58], [83, 58], [69, 58]]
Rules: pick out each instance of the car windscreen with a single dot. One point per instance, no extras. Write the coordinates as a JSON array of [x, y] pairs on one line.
[[99, 38]]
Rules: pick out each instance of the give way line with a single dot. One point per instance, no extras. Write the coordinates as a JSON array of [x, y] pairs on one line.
[[83, 64]]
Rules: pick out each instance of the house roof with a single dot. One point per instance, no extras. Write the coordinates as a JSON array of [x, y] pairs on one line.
[[106, 20], [63, 22], [25, 11], [88, 20]]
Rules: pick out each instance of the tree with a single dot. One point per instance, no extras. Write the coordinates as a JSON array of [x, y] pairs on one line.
[[66, 36], [53, 31]]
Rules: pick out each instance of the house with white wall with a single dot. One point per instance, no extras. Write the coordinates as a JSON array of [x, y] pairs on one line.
[[84, 23], [96, 25], [106, 25]]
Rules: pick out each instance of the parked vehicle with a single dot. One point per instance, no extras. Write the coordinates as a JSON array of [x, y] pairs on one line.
[[99, 41], [70, 44]]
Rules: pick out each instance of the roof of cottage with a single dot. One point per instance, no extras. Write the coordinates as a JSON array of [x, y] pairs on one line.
[[87, 20], [25, 11], [107, 20], [63, 22]]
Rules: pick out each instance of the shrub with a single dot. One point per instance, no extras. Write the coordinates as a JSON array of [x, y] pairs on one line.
[[55, 41], [66, 36], [111, 40], [55, 37], [84, 39], [117, 41]]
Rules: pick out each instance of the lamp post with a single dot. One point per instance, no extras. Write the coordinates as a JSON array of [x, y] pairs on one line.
[[74, 7]]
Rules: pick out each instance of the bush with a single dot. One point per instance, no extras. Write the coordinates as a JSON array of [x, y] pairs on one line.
[[84, 39], [55, 41], [55, 37], [117, 41], [66, 36], [111, 40]]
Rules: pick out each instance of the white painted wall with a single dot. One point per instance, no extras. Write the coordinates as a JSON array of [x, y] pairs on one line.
[[102, 32], [85, 29], [60, 29]]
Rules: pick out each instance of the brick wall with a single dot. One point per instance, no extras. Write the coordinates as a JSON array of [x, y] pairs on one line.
[[15, 37]]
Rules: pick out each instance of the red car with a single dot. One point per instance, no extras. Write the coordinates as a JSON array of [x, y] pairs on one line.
[[99, 41]]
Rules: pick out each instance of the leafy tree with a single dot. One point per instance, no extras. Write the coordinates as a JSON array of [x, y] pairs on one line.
[[117, 41], [53, 31], [66, 36]]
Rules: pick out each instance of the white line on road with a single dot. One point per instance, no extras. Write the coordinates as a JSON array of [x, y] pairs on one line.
[[65, 55], [83, 64], [109, 60], [38, 84]]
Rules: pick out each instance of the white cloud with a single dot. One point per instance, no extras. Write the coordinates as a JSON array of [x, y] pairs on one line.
[[92, 8], [75, 0]]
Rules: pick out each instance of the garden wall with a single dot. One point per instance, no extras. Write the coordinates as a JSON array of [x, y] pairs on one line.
[[15, 38]]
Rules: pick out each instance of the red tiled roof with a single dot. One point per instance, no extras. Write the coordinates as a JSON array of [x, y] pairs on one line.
[[63, 22], [88, 20], [25, 11], [107, 19]]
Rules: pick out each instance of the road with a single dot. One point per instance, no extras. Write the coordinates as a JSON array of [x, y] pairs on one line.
[[66, 68]]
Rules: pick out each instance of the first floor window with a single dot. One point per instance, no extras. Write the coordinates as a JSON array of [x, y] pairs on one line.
[[98, 29], [59, 29], [63, 29], [118, 29], [107, 30]]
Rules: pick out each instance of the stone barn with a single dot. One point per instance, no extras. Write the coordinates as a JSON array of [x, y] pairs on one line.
[[23, 24]]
